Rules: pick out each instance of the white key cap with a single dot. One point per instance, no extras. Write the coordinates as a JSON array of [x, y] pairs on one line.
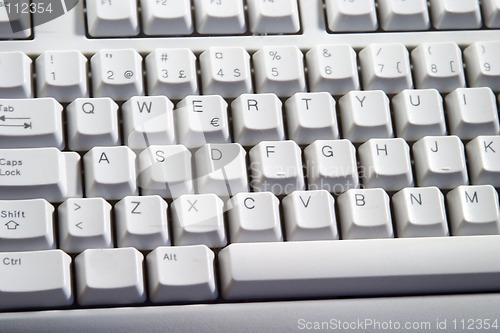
[[21, 284], [357, 15], [148, 121], [277, 16], [202, 119], [181, 274], [484, 160], [172, 72], [276, 166], [310, 117], [438, 66], [386, 163], [108, 18], [483, 64], [318, 269], [491, 13], [402, 15], [365, 115], [117, 74], [31, 123], [310, 215], [165, 171], [474, 210], [226, 71], [331, 165], [365, 213], [254, 217], [15, 75], [141, 222], [453, 14], [440, 161], [92, 122], [110, 276], [418, 113], [279, 70], [198, 219], [332, 68], [472, 112], [166, 17], [26, 225], [14, 23], [219, 16], [110, 172], [257, 117], [385, 67], [221, 169], [420, 212], [84, 223], [39, 173]]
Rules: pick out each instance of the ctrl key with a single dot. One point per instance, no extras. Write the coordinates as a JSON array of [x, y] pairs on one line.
[[35, 279]]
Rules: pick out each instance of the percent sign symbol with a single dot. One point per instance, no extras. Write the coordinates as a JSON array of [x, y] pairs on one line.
[[275, 55]]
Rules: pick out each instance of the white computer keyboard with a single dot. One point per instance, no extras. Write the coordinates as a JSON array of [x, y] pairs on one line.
[[249, 165]]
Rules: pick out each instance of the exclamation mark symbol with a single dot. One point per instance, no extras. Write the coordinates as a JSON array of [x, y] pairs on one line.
[[51, 59]]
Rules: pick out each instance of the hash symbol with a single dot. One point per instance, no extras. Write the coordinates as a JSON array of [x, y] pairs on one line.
[[164, 57]]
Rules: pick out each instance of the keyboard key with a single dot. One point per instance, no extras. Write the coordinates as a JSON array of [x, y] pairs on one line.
[[491, 13], [440, 161], [92, 122], [84, 223], [110, 172], [26, 225], [22, 284], [39, 173], [117, 74], [453, 14], [484, 160], [219, 16], [420, 212], [31, 123], [277, 16], [109, 276], [107, 18], [141, 222], [402, 15], [14, 23], [474, 210], [483, 64], [254, 217], [359, 15], [310, 215], [438, 66], [181, 274], [166, 17], [15, 75]]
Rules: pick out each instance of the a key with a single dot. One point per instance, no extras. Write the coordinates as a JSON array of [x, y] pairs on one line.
[[420, 212], [484, 160], [198, 219], [92, 122], [453, 14], [15, 75], [108, 18], [181, 274], [14, 23], [402, 15], [226, 71], [254, 217], [219, 16], [483, 64], [117, 74], [26, 225], [257, 117], [31, 123], [62, 75], [148, 121], [172, 72], [109, 276], [39, 173], [110, 172], [310, 215], [474, 210], [141, 222], [22, 285], [359, 15], [491, 13], [277, 16], [166, 17], [165, 171]]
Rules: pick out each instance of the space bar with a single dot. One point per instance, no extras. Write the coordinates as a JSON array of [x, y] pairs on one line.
[[375, 267]]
